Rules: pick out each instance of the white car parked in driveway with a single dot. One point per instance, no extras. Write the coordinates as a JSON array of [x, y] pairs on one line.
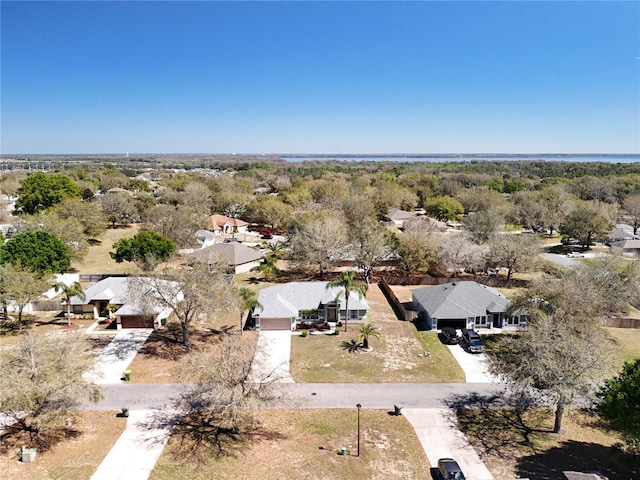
[[575, 255]]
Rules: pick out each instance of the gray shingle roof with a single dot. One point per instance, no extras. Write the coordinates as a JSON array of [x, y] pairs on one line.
[[233, 253], [287, 299], [460, 300]]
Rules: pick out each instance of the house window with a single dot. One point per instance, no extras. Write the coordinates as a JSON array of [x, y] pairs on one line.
[[354, 314], [514, 320], [77, 309], [481, 321], [309, 314]]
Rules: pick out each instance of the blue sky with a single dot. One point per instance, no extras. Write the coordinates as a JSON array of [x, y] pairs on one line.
[[320, 77]]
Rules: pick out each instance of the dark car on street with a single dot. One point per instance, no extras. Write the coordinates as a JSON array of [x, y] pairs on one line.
[[450, 336], [472, 339], [449, 469]]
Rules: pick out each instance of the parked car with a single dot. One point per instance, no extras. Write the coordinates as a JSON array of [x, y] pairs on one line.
[[570, 241], [575, 255], [472, 339], [449, 469], [450, 335], [232, 239], [266, 233]]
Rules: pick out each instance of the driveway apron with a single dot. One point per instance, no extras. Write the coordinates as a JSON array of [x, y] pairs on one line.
[[117, 356], [474, 365], [273, 355], [437, 431], [135, 453]]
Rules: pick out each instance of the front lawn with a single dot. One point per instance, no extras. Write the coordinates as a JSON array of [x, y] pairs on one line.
[[397, 356], [74, 457], [305, 445]]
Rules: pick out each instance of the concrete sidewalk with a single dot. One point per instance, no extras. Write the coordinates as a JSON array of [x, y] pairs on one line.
[[273, 355], [135, 453], [437, 431], [117, 356]]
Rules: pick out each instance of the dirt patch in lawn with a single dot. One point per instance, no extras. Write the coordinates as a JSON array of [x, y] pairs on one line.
[[43, 322], [513, 446], [76, 457], [305, 445]]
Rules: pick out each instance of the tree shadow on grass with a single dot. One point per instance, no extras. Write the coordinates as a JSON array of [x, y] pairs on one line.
[[17, 435], [578, 456], [201, 435], [351, 346]]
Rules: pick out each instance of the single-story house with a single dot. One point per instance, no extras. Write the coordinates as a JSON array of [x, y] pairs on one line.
[[463, 305], [617, 234], [284, 306], [135, 301], [626, 247], [221, 225], [238, 256], [396, 217]]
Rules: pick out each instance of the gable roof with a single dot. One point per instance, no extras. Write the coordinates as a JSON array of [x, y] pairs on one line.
[[122, 291], [219, 221], [288, 299], [234, 253], [460, 300], [398, 215], [627, 244]]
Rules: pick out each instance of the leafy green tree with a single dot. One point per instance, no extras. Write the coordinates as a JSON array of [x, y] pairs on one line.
[[20, 286], [368, 330], [73, 290], [443, 208], [93, 220], [40, 191], [348, 282], [248, 301], [146, 249], [564, 350], [417, 251], [45, 383], [587, 222], [39, 251], [620, 403], [483, 225]]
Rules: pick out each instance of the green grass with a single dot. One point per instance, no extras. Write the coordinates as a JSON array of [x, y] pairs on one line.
[[304, 445], [98, 260]]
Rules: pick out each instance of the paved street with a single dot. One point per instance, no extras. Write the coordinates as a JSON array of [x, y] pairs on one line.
[[316, 395]]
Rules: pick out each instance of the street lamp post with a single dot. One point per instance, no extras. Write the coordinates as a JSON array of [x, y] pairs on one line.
[[358, 406]]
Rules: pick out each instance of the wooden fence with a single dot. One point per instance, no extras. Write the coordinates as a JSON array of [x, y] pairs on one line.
[[398, 307], [428, 280], [47, 306], [617, 322]]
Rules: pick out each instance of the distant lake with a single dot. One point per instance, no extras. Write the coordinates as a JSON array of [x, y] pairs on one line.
[[582, 158]]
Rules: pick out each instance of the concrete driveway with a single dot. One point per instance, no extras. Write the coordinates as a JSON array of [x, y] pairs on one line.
[[273, 355], [117, 356], [474, 365], [440, 438]]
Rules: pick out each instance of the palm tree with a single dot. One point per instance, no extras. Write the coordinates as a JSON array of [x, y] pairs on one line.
[[348, 282], [248, 301], [268, 267], [368, 330], [73, 290]]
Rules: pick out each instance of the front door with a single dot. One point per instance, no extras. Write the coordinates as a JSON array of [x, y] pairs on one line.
[[331, 314]]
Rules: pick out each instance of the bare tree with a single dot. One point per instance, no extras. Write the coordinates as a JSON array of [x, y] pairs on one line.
[[458, 253], [221, 397], [193, 294], [20, 286], [632, 207], [45, 382], [513, 252]]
